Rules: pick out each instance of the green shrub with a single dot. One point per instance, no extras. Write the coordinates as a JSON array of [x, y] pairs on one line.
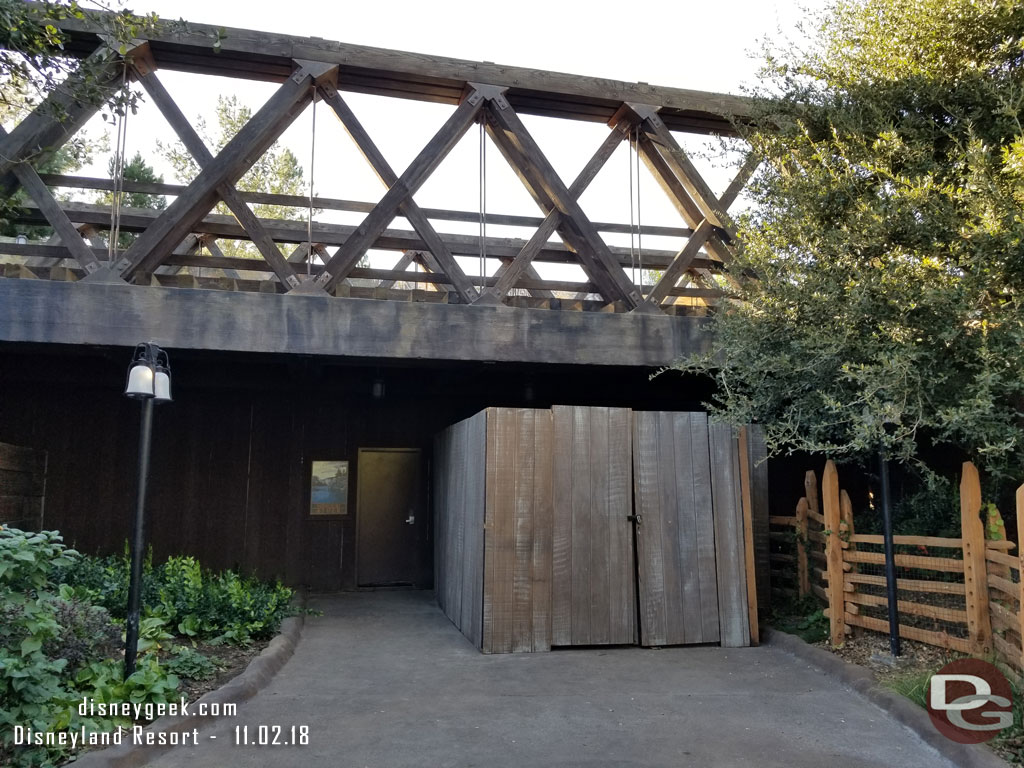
[[53, 646], [198, 603], [190, 663]]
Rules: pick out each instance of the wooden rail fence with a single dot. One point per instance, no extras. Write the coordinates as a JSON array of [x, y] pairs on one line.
[[963, 594]]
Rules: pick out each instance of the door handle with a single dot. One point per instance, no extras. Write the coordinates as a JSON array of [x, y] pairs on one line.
[[411, 519], [638, 519]]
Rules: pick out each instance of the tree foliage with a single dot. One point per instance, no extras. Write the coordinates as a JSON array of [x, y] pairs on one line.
[[277, 171], [882, 264]]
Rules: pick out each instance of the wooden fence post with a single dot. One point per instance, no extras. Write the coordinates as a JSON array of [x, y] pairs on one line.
[[979, 624], [803, 577], [847, 531], [811, 490], [1020, 563], [834, 553]]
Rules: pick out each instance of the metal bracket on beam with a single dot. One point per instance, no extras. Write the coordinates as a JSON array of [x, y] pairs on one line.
[[640, 112], [136, 51], [321, 72], [104, 275], [308, 288], [495, 93]]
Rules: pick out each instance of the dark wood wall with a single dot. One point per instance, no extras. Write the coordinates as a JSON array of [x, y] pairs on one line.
[[22, 487], [230, 463]]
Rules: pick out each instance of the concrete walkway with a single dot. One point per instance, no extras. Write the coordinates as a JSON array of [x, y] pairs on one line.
[[384, 680]]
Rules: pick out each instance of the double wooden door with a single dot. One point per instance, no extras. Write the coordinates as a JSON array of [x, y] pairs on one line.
[[648, 536]]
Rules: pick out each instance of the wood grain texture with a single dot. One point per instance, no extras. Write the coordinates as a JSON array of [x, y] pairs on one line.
[[747, 500], [75, 313], [460, 465], [758, 459], [676, 539], [729, 544], [267, 56], [22, 487], [593, 571], [979, 627]]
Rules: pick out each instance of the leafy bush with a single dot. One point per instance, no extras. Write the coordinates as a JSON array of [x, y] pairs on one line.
[[187, 662], [60, 636], [198, 603], [53, 645], [84, 632]]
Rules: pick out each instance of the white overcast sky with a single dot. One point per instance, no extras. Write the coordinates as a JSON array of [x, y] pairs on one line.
[[712, 46]]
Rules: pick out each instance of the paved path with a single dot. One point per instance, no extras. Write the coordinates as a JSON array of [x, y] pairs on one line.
[[384, 680]]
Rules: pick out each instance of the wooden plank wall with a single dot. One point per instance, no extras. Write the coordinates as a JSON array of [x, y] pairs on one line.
[[458, 488], [22, 487], [593, 587], [757, 454], [730, 554], [518, 537], [676, 536]]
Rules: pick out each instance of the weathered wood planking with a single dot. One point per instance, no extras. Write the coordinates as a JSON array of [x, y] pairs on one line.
[[45, 311], [757, 455], [268, 56], [730, 555], [459, 470], [22, 487], [593, 568], [517, 580], [675, 538]]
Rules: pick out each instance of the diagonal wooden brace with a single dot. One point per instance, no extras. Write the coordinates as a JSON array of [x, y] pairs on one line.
[[194, 144], [408, 208], [659, 136], [377, 220], [181, 216], [68, 233], [59, 117], [541, 179], [522, 263], [682, 261]]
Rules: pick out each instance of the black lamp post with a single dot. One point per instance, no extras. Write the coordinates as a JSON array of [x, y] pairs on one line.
[[890, 557], [149, 381]]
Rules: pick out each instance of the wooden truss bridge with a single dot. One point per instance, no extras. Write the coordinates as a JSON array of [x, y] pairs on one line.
[[86, 293]]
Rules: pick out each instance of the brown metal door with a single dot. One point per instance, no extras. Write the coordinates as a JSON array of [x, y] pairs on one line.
[[392, 527]]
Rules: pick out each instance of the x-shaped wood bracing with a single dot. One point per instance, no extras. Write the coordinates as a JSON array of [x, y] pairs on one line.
[[698, 205], [705, 213], [227, 192], [221, 172]]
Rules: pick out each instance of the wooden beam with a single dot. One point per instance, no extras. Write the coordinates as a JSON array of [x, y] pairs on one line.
[[660, 137], [59, 117], [296, 231], [670, 276], [408, 207], [678, 195], [554, 217], [595, 256], [400, 266], [979, 623], [267, 56], [419, 169], [69, 235], [45, 311], [181, 216], [203, 157], [359, 206]]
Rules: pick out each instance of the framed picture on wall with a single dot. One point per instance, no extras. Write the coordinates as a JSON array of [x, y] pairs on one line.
[[328, 489]]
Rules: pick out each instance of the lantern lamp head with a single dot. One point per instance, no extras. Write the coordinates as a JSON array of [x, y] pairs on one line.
[[149, 375]]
